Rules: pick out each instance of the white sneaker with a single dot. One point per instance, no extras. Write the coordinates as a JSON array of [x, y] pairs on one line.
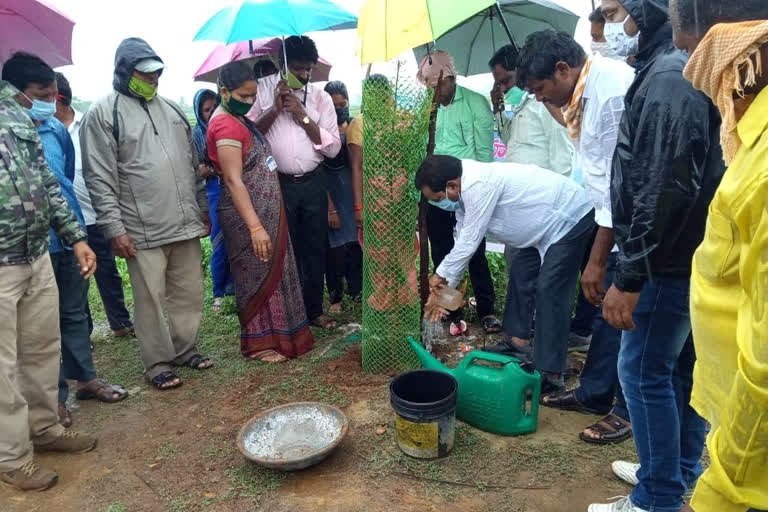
[[623, 505], [626, 471]]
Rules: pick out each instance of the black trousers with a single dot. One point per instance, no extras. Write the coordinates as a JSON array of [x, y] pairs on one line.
[[344, 262], [306, 206], [440, 224]]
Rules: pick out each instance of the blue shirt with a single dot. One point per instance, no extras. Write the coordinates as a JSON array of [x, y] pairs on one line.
[[60, 155]]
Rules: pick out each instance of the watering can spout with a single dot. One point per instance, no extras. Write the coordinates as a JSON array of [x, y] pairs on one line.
[[427, 359]]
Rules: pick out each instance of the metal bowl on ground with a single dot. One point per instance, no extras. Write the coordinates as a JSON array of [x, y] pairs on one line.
[[293, 436]]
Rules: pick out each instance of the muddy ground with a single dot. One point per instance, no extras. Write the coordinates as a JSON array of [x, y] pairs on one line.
[[175, 451]]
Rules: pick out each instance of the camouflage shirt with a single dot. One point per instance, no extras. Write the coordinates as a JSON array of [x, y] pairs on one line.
[[30, 197]]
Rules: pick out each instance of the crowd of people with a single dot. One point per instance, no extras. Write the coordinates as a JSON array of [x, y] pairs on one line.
[[614, 178]]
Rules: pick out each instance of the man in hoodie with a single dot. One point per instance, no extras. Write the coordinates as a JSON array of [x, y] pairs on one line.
[[107, 277], [141, 167], [728, 45], [30, 203], [667, 166]]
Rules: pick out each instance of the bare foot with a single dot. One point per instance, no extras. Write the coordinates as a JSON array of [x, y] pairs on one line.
[[335, 308], [269, 356], [323, 322]]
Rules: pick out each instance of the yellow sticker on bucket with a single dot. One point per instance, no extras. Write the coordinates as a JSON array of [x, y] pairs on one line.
[[421, 437]]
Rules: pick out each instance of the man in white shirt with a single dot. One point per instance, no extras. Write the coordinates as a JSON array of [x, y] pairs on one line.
[[590, 90], [531, 132], [522, 206], [108, 279]]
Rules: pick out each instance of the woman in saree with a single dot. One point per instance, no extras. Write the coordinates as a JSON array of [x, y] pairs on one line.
[[274, 325]]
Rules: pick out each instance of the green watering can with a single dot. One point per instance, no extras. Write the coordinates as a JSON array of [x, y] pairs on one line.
[[495, 393]]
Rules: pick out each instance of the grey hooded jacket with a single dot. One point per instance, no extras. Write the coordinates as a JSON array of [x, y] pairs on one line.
[[142, 174]]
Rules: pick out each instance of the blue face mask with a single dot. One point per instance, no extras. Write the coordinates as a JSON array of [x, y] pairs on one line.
[[41, 110], [446, 204]]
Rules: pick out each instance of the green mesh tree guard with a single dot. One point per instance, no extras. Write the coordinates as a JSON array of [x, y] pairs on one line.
[[395, 128]]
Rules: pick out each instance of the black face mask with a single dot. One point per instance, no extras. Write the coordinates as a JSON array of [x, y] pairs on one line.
[[342, 115]]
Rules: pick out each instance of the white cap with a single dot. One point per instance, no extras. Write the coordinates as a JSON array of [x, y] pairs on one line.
[[149, 65]]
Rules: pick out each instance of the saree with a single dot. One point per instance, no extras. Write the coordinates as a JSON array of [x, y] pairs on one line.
[[268, 294]]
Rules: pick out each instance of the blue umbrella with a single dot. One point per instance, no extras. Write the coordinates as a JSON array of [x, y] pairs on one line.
[[255, 19]]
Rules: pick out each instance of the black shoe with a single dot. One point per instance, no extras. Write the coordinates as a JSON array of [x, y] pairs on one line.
[[549, 387], [507, 348]]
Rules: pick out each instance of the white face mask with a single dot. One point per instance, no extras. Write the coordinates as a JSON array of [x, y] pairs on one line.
[[624, 45], [604, 49]]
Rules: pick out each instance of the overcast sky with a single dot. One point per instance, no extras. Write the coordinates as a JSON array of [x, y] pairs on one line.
[[169, 26]]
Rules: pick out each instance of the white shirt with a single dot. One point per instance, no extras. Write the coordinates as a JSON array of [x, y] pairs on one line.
[[534, 137], [603, 98], [519, 205], [81, 191]]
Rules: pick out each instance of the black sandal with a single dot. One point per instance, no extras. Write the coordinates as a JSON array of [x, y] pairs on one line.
[[161, 381], [491, 325], [611, 430], [196, 362]]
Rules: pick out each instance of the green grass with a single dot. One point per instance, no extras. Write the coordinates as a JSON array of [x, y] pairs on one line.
[[116, 507], [168, 450], [252, 481]]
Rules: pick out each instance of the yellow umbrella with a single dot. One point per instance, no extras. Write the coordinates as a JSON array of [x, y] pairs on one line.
[[387, 28]]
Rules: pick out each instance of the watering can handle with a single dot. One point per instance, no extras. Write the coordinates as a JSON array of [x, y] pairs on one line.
[[490, 356]]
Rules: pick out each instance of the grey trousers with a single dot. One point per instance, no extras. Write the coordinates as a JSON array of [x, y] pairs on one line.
[[547, 287], [167, 280]]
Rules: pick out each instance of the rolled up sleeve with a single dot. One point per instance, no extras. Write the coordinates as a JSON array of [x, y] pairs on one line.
[[330, 140]]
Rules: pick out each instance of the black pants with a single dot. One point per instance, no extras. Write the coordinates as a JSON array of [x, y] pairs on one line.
[[109, 282], [440, 224], [344, 262], [306, 206]]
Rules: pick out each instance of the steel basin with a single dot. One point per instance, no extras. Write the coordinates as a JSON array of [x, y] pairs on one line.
[[293, 436]]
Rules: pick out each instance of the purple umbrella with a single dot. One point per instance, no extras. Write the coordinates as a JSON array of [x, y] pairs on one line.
[[250, 52], [35, 27]]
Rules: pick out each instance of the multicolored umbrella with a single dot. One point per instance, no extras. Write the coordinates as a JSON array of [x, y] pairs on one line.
[[250, 52], [387, 28], [34, 26]]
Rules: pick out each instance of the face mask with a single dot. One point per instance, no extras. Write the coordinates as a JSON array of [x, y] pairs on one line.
[[293, 81], [142, 88], [514, 96], [236, 107], [621, 43], [342, 115], [446, 204], [604, 49], [41, 110]]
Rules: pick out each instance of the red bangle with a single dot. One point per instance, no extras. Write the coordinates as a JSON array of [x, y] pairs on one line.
[[358, 208]]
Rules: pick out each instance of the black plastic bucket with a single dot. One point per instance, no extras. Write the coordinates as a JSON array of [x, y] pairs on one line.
[[424, 402]]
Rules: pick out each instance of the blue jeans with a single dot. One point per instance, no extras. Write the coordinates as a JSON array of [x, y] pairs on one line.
[[109, 282], [221, 275], [76, 357], [656, 372], [599, 380]]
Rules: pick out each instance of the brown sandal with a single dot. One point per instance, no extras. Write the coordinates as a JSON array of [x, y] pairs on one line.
[[102, 391], [269, 356], [610, 430], [65, 416]]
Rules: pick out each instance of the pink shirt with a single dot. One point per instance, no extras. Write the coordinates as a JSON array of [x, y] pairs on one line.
[[292, 148]]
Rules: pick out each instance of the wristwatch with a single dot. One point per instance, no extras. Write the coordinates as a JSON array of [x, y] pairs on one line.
[[305, 120]]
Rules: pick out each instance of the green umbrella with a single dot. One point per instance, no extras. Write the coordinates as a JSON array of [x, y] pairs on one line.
[[474, 42]]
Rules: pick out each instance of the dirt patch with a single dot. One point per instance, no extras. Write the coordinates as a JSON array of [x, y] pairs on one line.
[[175, 451]]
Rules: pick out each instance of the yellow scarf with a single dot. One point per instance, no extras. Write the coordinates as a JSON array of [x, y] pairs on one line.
[[574, 111], [715, 68]]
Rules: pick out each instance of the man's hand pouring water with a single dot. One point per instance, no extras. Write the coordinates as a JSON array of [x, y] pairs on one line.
[[432, 310]]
